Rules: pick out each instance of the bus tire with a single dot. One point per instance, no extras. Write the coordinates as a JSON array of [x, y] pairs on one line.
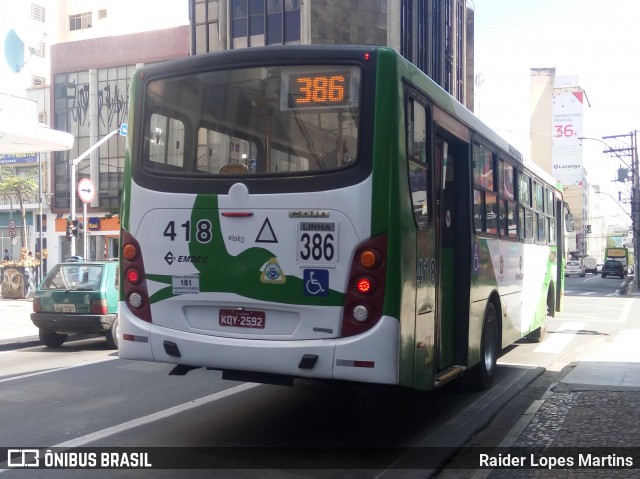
[[489, 349], [537, 335]]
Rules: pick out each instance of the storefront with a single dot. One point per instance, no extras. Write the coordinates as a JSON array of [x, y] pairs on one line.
[[103, 235]]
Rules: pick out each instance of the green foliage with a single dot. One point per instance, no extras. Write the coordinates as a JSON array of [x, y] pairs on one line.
[[23, 186]]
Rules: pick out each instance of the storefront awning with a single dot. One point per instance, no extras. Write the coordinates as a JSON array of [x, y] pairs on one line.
[[20, 131]]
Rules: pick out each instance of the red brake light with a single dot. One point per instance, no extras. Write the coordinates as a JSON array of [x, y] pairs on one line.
[[364, 285], [133, 276], [365, 295], [134, 286], [37, 306]]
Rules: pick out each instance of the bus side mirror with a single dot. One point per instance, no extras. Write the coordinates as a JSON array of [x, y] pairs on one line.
[[568, 221]]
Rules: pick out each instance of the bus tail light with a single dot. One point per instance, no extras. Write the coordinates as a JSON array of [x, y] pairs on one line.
[[134, 285], [365, 288]]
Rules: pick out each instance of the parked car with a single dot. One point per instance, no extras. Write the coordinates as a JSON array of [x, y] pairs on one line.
[[590, 265], [77, 297], [612, 267], [574, 267]]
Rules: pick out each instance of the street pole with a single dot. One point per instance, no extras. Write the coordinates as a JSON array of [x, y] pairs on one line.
[[635, 193], [74, 164], [635, 207], [40, 248], [635, 190]]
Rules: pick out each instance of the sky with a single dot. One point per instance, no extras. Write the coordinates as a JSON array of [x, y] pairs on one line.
[[594, 40]]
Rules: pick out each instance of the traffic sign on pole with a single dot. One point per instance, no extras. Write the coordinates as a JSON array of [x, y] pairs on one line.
[[86, 190]]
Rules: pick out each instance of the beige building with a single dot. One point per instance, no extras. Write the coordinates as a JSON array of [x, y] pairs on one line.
[[555, 132]]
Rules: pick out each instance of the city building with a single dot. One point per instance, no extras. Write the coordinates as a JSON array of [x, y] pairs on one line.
[[557, 111], [76, 73], [86, 51], [435, 35], [25, 139]]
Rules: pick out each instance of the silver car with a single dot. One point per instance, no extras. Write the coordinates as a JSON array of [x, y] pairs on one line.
[[574, 267]]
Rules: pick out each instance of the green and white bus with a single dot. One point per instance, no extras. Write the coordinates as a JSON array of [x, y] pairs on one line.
[[331, 213]]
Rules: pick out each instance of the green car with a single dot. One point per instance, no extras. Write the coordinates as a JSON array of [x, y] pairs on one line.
[[78, 297]]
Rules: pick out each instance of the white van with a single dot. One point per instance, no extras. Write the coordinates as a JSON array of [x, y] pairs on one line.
[[590, 265]]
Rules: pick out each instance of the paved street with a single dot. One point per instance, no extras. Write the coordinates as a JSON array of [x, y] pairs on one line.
[[586, 396]]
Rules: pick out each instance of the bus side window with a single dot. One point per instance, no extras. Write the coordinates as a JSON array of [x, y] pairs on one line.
[[418, 165]]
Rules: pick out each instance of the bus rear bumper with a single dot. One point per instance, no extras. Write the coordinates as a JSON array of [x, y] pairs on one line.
[[368, 357]]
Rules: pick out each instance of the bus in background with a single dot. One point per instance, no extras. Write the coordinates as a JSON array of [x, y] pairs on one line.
[[618, 253], [327, 212]]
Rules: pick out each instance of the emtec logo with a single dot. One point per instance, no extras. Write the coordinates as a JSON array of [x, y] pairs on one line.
[[23, 458]]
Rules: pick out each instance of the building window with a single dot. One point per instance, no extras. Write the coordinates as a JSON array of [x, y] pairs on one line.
[[205, 30], [37, 13], [264, 22], [38, 81], [79, 22], [102, 14], [72, 113]]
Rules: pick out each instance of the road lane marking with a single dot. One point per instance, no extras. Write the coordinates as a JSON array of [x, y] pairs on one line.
[[556, 343], [172, 411], [624, 315], [55, 370], [594, 310]]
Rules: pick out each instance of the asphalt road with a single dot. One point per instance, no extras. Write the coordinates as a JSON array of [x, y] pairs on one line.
[[82, 395]]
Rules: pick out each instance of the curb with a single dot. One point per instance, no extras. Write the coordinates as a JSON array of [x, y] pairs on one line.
[[19, 343], [459, 430]]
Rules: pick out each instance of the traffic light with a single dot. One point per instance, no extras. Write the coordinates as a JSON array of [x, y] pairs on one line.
[[588, 229], [72, 228]]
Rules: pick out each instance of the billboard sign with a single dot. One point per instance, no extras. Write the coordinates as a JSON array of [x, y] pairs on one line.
[[18, 158], [566, 163]]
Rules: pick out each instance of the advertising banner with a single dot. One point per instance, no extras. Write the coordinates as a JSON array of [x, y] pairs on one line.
[[18, 158], [567, 166]]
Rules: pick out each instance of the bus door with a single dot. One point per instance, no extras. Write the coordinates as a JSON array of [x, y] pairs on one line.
[[420, 168], [453, 250]]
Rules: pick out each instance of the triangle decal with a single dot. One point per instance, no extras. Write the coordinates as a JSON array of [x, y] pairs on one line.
[[266, 234]]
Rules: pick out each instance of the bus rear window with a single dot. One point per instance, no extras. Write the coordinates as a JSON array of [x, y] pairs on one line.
[[262, 121]]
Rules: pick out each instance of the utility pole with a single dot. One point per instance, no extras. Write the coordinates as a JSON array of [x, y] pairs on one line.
[[631, 152]]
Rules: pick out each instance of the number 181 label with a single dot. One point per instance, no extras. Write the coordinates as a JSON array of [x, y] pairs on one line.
[[186, 284]]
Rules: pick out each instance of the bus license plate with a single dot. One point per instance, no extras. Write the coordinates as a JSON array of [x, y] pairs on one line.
[[240, 318]]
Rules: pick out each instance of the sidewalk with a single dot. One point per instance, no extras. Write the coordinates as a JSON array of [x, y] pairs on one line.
[[594, 407], [16, 328]]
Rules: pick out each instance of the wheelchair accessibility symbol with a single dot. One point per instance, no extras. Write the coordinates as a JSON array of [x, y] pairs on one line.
[[316, 282]]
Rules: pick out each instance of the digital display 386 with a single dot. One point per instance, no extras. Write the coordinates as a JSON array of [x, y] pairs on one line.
[[308, 90]]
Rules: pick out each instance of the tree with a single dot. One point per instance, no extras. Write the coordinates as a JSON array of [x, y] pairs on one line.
[[21, 186]]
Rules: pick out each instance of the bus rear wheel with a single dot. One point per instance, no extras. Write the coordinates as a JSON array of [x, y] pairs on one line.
[[489, 349]]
